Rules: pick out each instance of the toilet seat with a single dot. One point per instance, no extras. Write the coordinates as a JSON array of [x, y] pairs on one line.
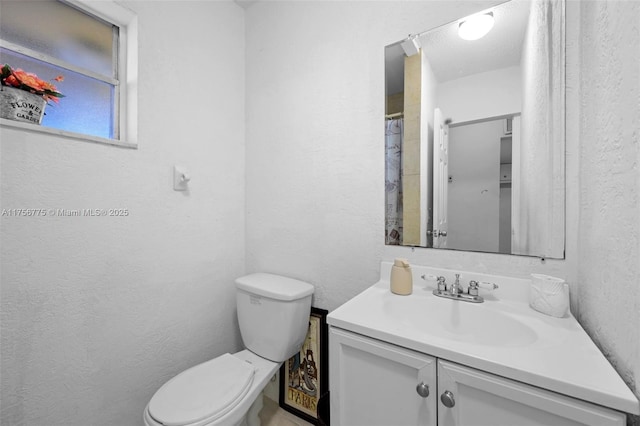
[[204, 393]]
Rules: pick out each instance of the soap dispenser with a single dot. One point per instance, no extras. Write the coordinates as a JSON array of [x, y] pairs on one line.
[[401, 279]]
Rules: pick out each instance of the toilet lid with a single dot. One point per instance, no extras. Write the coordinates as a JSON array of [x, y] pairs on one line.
[[207, 391]]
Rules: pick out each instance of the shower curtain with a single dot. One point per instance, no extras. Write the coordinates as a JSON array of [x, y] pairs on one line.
[[393, 181]]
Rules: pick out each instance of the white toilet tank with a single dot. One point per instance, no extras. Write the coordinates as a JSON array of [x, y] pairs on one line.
[[273, 313]]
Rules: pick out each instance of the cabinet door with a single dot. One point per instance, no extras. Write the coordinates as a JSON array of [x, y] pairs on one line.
[[471, 397], [376, 383]]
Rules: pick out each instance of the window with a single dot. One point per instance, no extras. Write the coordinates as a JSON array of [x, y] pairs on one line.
[[91, 44]]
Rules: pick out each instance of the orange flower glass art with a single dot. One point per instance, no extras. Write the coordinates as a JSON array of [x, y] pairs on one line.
[[31, 83]]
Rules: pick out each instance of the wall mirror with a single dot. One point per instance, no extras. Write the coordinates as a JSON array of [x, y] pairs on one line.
[[475, 134]]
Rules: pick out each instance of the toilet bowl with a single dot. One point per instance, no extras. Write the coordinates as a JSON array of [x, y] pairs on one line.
[[216, 392], [221, 391]]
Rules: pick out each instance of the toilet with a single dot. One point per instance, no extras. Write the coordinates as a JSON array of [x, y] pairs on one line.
[[273, 314]]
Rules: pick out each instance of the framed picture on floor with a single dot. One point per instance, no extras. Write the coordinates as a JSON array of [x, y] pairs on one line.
[[304, 376]]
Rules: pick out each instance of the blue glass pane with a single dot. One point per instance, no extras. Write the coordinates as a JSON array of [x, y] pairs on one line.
[[87, 107]]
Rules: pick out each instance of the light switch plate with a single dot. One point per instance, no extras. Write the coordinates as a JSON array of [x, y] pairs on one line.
[[180, 179]]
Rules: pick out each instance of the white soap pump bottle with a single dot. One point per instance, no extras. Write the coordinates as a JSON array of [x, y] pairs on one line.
[[401, 279]]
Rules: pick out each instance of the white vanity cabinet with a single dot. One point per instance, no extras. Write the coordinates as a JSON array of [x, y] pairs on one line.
[[467, 396], [378, 383]]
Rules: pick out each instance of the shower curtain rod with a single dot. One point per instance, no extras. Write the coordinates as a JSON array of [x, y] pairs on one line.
[[395, 115]]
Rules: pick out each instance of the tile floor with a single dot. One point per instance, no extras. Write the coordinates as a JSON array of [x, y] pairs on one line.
[[273, 415]]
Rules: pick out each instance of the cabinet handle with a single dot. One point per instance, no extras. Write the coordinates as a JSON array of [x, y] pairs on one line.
[[447, 399], [423, 390]]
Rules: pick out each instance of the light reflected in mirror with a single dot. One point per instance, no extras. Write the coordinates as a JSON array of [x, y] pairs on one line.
[[475, 135]]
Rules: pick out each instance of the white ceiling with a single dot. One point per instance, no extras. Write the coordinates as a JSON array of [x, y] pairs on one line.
[[452, 58]]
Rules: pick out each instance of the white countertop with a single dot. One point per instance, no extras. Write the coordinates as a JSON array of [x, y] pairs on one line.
[[551, 353]]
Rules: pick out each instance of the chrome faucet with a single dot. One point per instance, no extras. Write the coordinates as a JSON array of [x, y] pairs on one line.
[[455, 287], [456, 291]]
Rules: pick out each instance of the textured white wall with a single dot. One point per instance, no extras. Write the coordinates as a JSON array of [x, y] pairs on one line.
[[96, 315], [98, 312], [315, 170], [315, 145], [315, 136], [609, 273]]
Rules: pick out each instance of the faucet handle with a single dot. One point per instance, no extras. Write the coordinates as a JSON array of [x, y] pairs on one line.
[[473, 288], [442, 286], [487, 285]]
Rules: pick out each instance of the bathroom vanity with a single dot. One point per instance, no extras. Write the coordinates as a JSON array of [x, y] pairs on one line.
[[425, 360]]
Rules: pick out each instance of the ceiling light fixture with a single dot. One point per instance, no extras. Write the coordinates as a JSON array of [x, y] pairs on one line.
[[476, 26]]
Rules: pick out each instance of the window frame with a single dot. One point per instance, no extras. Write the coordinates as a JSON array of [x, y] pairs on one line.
[[126, 87]]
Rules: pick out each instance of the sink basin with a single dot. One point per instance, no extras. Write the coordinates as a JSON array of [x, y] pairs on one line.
[[480, 324]]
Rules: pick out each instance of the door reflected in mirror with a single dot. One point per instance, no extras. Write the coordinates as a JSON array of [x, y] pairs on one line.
[[475, 135]]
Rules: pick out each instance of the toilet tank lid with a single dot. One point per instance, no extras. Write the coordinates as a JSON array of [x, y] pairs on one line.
[[274, 286]]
